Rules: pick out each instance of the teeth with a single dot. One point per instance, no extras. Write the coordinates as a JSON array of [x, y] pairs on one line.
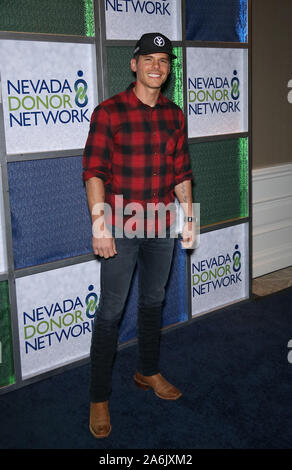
[[154, 75]]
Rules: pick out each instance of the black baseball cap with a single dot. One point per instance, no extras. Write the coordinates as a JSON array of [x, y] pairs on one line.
[[151, 43]]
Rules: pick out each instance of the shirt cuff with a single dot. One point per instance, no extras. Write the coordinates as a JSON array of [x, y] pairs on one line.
[[93, 173], [180, 178]]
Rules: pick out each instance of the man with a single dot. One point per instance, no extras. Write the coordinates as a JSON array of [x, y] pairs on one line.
[[137, 148]]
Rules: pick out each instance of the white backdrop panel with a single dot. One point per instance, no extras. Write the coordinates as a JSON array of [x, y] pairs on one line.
[[3, 252], [217, 91], [129, 19], [220, 268], [55, 316], [49, 92]]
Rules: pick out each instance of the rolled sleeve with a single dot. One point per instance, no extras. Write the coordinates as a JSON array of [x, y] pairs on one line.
[[182, 169], [97, 151]]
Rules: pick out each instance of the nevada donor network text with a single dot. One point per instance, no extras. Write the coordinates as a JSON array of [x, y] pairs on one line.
[[139, 6]]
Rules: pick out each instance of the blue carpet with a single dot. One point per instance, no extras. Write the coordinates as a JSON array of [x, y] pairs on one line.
[[231, 365]]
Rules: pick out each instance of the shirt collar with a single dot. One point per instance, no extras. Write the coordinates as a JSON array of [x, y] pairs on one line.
[[136, 103]]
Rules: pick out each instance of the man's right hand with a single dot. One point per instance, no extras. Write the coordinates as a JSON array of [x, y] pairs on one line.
[[104, 247], [103, 243]]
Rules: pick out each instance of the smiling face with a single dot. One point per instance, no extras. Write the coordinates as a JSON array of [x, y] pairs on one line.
[[151, 70]]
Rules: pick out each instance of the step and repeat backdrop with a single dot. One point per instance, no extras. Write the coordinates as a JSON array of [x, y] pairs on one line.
[[58, 60]]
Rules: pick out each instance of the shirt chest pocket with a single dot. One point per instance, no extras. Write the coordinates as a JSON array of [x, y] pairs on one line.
[[123, 138], [169, 142]]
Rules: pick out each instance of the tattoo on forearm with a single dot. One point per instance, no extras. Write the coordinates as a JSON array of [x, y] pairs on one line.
[[183, 190]]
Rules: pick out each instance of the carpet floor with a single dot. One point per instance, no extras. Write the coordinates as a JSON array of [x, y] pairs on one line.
[[232, 367]]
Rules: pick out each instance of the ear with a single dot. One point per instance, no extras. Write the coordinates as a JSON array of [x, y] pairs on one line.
[[133, 65]]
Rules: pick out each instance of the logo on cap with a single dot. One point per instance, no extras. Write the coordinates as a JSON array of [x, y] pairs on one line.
[[159, 41]]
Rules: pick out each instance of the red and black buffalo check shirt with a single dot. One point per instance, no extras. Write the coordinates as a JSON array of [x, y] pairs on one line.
[[140, 152]]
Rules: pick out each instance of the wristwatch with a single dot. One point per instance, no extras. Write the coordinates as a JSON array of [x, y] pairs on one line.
[[190, 219]]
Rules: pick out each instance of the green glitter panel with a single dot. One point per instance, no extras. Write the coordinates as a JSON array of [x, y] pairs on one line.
[[120, 74], [220, 172], [73, 17], [6, 364]]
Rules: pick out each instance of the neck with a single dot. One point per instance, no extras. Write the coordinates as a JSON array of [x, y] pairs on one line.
[[148, 96]]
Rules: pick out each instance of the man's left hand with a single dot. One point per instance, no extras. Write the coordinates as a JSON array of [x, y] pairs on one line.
[[188, 235]]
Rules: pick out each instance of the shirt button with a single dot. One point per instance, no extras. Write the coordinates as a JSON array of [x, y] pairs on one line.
[[154, 194], [155, 154], [154, 174]]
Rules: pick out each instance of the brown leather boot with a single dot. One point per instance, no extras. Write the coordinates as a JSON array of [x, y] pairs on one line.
[[162, 388], [99, 424]]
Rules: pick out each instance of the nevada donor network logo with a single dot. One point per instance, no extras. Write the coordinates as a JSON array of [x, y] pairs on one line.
[[139, 6], [217, 272], [214, 94], [60, 322], [47, 101]]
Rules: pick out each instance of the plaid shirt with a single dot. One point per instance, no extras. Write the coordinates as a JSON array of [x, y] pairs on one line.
[[140, 152]]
